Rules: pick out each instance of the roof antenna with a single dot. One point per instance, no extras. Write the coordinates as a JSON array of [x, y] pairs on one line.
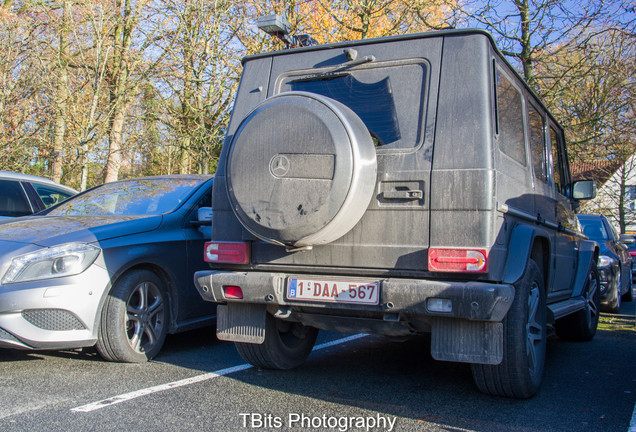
[[278, 26]]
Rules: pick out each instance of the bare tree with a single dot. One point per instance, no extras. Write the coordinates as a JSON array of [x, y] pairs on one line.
[[527, 31], [118, 74], [137, 31], [20, 86], [74, 50], [591, 89], [199, 77], [339, 20], [89, 113], [60, 98]]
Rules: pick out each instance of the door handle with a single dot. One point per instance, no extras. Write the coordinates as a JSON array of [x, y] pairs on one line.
[[403, 194]]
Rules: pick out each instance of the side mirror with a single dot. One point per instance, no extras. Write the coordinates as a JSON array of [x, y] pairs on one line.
[[205, 214], [204, 217], [627, 239], [584, 190]]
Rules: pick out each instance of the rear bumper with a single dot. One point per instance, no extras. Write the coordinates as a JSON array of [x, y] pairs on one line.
[[409, 297]]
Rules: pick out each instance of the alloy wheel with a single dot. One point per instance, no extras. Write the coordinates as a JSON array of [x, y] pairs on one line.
[[591, 308], [144, 316], [534, 329]]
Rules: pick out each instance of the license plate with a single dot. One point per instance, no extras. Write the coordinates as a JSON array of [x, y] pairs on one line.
[[333, 291]]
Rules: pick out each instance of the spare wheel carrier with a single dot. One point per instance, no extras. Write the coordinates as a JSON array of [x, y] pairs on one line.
[[301, 170]]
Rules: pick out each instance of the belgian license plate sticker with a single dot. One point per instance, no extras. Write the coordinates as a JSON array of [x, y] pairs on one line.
[[334, 291]]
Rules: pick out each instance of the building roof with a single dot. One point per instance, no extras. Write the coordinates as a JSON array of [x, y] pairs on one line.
[[599, 170]]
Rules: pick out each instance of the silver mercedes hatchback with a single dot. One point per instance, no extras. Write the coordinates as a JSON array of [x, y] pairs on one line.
[[111, 267]]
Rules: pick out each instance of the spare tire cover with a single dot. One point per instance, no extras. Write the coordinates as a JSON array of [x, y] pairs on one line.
[[301, 170]]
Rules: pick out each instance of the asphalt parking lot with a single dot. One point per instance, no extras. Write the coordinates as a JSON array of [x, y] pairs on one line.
[[355, 383]]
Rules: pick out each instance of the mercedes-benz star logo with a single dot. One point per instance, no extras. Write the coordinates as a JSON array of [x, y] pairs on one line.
[[279, 166]]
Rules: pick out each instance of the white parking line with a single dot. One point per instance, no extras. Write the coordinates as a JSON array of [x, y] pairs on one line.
[[632, 424], [195, 379]]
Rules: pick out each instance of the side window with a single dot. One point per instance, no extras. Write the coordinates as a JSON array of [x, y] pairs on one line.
[[49, 195], [557, 163], [537, 144], [204, 230], [204, 201], [613, 231], [13, 201], [510, 119]]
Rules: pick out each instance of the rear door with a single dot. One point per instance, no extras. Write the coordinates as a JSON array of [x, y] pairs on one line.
[[392, 88]]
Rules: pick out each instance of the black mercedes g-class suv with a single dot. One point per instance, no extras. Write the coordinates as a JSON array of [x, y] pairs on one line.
[[398, 186]]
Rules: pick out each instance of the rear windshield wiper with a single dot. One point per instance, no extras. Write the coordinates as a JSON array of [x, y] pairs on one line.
[[336, 71]]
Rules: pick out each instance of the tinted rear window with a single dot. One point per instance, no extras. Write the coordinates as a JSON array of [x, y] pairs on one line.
[[389, 98]]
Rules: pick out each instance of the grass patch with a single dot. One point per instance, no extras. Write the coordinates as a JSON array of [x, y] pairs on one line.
[[617, 322]]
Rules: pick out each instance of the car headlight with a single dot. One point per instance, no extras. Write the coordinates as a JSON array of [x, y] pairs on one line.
[[605, 261], [64, 260]]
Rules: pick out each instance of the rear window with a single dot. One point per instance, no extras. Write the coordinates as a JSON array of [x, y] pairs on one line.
[[388, 97]]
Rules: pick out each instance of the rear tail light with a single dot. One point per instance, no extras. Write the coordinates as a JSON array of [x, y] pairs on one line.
[[227, 252], [458, 260]]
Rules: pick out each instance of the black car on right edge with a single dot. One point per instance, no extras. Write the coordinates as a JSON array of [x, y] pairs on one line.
[[398, 186], [614, 261]]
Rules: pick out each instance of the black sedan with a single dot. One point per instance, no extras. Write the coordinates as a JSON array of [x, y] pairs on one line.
[[111, 267], [614, 262]]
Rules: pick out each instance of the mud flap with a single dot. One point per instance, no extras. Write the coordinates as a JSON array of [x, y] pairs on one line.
[[239, 322], [467, 341]]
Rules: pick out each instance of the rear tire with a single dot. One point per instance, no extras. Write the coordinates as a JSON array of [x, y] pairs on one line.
[[287, 345], [581, 326], [520, 373]]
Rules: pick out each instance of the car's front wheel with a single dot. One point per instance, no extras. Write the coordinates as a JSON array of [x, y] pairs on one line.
[[287, 344], [615, 305], [581, 325], [134, 319], [628, 296]]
